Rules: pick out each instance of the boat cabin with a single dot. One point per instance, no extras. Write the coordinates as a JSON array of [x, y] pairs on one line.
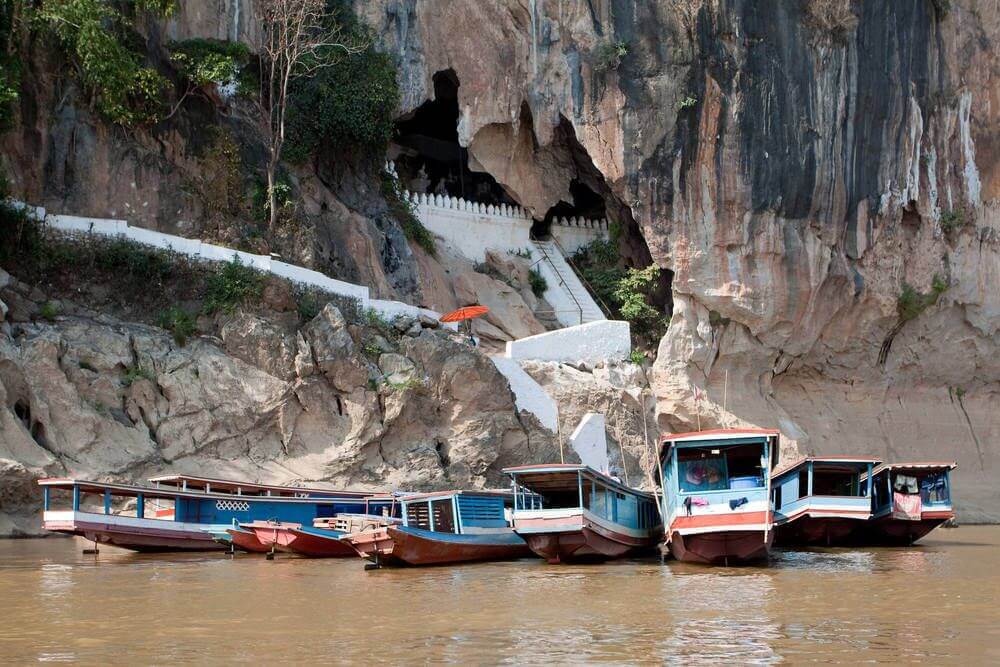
[[823, 485], [538, 489], [209, 485], [457, 512], [910, 490]]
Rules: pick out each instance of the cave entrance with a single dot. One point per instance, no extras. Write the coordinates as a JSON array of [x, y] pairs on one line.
[[586, 204], [429, 157]]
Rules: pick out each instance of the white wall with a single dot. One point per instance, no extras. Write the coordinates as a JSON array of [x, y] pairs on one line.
[[590, 441], [528, 394], [574, 233], [473, 228], [606, 340]]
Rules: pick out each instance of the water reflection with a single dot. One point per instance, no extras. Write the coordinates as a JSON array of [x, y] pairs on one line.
[[895, 605]]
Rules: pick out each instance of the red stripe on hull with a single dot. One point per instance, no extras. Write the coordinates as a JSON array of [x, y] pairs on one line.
[[138, 538], [247, 541], [419, 550], [730, 519], [733, 547], [315, 546]]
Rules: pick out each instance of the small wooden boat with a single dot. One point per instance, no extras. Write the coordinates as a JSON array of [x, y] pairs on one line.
[[568, 512], [275, 535], [246, 540], [319, 543], [443, 527], [821, 501], [183, 513], [716, 494], [909, 500]]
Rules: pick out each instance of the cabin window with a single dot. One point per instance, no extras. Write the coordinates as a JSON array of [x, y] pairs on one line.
[[835, 483], [776, 497], [803, 483], [444, 516], [934, 488], [720, 468], [418, 516], [880, 490]]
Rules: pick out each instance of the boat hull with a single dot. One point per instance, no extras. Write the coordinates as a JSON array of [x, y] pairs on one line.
[[731, 547], [412, 546], [319, 543], [890, 531], [375, 545], [275, 536], [819, 531], [247, 541], [133, 533], [581, 538]]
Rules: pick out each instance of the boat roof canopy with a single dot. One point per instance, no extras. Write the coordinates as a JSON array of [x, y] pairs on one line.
[[203, 483], [714, 436], [169, 492], [826, 463], [927, 466], [410, 497], [564, 478]]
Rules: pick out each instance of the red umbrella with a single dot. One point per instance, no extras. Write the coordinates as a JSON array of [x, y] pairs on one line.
[[466, 313]]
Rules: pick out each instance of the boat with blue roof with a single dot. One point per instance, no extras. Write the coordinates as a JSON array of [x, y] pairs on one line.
[[908, 501], [822, 500], [571, 512], [716, 494], [180, 512], [444, 527]]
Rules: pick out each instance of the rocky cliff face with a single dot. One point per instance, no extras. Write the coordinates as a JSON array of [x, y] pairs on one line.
[[819, 179], [794, 166]]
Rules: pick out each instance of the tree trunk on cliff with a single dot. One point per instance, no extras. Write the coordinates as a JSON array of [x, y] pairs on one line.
[[299, 37]]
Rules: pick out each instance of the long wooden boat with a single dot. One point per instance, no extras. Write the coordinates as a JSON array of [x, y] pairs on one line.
[[821, 501], [568, 512], [443, 527], [716, 494], [185, 513], [246, 540], [909, 500]]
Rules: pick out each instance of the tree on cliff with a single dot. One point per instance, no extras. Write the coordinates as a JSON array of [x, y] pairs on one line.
[[298, 38]]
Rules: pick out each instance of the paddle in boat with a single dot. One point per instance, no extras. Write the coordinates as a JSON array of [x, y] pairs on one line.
[[444, 527], [716, 488], [909, 500], [821, 500], [569, 512], [182, 513]]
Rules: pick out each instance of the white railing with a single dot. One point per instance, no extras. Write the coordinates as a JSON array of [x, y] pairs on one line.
[[199, 250]]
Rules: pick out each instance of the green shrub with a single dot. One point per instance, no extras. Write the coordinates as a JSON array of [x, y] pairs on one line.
[[538, 283], [220, 181], [952, 221], [232, 286], [608, 55], [98, 39], [260, 204], [49, 311], [134, 259], [309, 305], [637, 357], [687, 102], [133, 373], [179, 323], [350, 104], [205, 61], [911, 303], [403, 210]]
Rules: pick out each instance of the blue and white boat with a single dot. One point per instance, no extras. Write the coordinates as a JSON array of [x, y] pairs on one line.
[[183, 513], [909, 500]]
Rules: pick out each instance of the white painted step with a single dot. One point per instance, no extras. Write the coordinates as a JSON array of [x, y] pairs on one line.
[[528, 394], [573, 303]]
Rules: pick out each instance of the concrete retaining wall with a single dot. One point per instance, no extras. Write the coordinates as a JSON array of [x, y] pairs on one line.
[[605, 340]]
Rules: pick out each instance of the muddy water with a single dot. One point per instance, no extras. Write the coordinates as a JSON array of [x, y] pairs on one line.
[[934, 603]]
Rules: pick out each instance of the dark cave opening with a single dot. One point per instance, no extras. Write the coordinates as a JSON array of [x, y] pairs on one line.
[[586, 204], [429, 157]]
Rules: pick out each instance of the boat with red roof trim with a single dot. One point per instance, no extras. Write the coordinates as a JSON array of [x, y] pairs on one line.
[[569, 512], [444, 527], [716, 494], [821, 500], [909, 500]]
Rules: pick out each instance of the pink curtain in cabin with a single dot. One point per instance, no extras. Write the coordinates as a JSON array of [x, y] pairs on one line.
[[906, 506]]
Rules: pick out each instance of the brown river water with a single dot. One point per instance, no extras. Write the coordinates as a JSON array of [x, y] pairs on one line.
[[932, 603]]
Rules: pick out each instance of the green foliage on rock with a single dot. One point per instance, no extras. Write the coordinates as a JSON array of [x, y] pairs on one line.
[[178, 322], [232, 286], [98, 39], [403, 210], [952, 221], [608, 55], [134, 373], [538, 283], [351, 104], [911, 303], [205, 61]]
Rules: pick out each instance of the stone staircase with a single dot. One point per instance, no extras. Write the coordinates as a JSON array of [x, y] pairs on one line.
[[571, 301]]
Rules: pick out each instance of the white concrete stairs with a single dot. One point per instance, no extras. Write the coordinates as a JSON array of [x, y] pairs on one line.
[[569, 298]]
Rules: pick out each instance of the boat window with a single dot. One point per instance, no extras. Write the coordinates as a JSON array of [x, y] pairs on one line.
[[934, 488], [444, 516], [776, 497], [418, 515], [835, 483], [880, 492], [720, 468], [588, 491], [803, 482]]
